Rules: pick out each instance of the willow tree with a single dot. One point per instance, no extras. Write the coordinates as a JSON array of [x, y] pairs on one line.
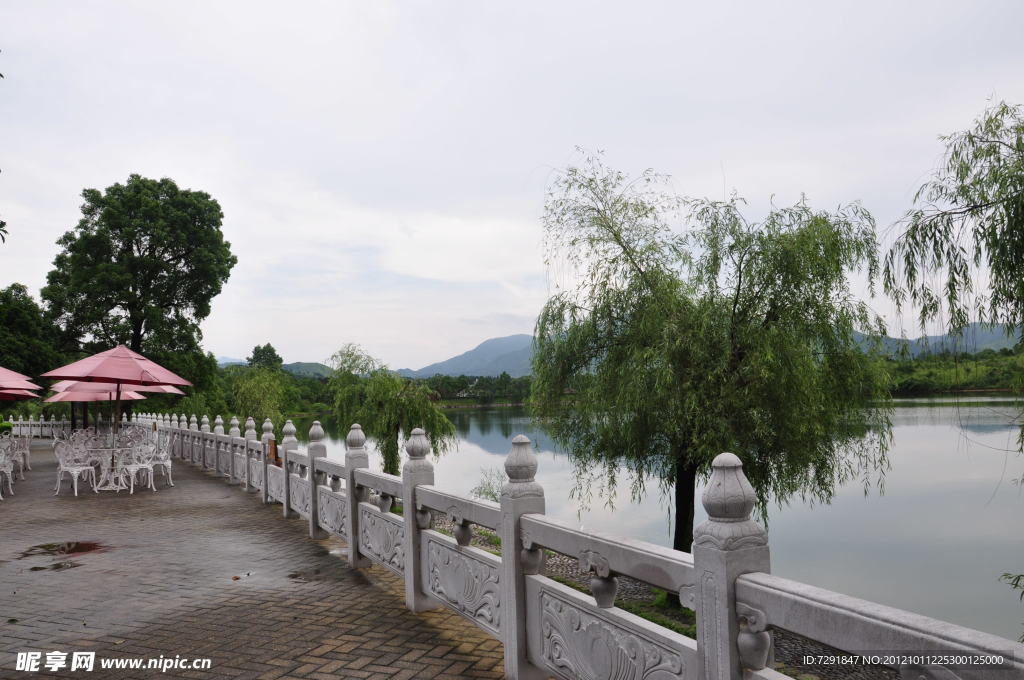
[[386, 405], [668, 347], [968, 215]]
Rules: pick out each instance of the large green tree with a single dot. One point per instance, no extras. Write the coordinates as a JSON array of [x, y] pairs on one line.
[[386, 405], [666, 348], [960, 250], [28, 338], [265, 356], [141, 267]]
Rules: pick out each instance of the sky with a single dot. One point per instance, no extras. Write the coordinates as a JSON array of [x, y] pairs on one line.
[[382, 166]]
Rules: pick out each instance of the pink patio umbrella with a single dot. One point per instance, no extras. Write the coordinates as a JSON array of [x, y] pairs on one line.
[[7, 374], [92, 396], [76, 386], [119, 366], [12, 380], [16, 395]]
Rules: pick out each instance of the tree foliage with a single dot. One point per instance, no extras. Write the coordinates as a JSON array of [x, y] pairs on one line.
[[28, 338], [670, 347], [141, 267], [386, 405], [259, 393], [968, 215], [265, 356]]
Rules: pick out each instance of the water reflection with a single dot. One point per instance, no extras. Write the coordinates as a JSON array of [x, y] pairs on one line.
[[936, 541]]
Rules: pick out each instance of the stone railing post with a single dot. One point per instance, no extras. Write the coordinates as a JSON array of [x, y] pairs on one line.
[[268, 431], [416, 470], [316, 449], [250, 436], [521, 495], [218, 425], [250, 429], [286, 502], [234, 431], [729, 543], [289, 440], [356, 457], [193, 423]]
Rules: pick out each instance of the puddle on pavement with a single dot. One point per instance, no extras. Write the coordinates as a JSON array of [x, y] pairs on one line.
[[61, 550], [58, 549], [56, 566]]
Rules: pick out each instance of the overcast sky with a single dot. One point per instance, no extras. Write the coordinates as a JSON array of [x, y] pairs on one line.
[[382, 165]]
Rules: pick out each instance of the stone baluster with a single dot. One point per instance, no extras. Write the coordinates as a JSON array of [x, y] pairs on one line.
[[268, 431], [250, 429], [356, 457], [250, 436], [193, 423], [519, 496], [316, 449], [289, 444], [233, 430], [730, 637], [417, 470], [218, 425], [205, 426], [204, 444]]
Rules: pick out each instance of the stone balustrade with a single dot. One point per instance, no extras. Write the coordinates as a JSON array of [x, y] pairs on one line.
[[546, 627], [41, 428]]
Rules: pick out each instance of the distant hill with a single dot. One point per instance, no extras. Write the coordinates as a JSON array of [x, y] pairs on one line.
[[510, 354], [307, 369], [976, 337], [228, 361]]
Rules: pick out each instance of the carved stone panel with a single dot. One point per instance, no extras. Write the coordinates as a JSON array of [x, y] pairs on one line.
[[224, 461], [332, 511], [380, 537], [299, 495], [465, 582], [275, 483], [239, 466], [256, 474], [577, 643]]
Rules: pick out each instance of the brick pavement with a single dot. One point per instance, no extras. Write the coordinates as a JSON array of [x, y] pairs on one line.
[[163, 585]]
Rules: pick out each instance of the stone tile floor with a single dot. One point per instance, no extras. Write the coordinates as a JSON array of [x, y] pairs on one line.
[[163, 583]]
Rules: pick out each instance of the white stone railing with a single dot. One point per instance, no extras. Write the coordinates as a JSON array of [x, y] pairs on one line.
[[42, 428], [548, 628]]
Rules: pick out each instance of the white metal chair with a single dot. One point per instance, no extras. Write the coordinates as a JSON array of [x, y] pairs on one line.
[[139, 459], [7, 464], [75, 462], [162, 457]]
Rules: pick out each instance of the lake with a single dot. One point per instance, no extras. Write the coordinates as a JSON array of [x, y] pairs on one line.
[[949, 523]]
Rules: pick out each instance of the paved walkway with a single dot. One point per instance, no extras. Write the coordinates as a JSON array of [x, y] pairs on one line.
[[205, 570]]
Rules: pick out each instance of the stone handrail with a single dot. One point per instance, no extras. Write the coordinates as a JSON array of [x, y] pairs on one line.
[[546, 627], [604, 554], [459, 509], [42, 428]]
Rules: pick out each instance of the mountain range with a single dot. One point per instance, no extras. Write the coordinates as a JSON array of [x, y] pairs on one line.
[[511, 354]]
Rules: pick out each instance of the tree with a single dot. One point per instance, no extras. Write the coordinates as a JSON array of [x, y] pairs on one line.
[[28, 338], [265, 356], [141, 267], [671, 348], [970, 214], [259, 393], [386, 405]]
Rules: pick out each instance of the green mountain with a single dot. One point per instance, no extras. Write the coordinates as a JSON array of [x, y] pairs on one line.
[[510, 354], [976, 337], [307, 369]]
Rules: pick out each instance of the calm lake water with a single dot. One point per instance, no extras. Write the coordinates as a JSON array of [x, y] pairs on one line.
[[950, 520]]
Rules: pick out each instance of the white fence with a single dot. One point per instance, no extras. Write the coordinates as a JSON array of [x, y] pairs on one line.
[[548, 628], [42, 428]]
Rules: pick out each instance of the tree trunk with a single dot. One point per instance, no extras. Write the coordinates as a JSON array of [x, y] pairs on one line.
[[686, 496], [686, 492]]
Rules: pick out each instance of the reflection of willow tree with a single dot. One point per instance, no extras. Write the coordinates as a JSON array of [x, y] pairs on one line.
[[735, 336], [969, 215]]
